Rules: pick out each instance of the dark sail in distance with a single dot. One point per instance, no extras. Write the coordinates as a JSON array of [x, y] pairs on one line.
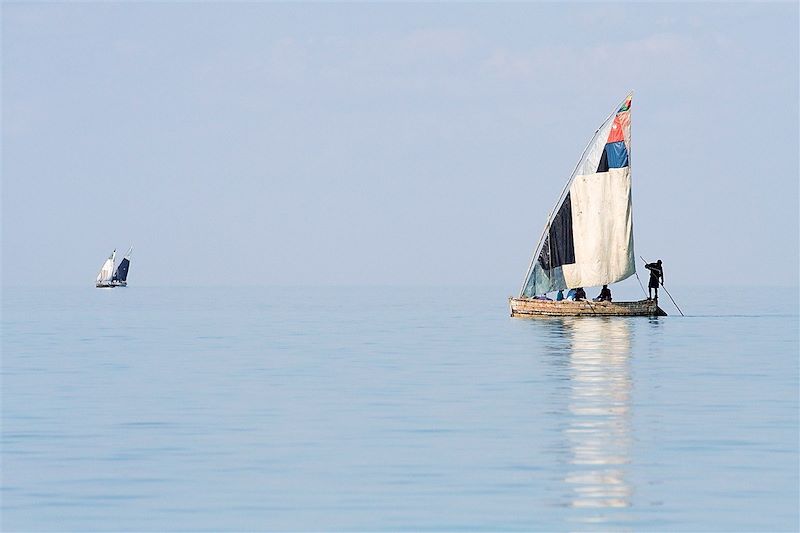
[[122, 271]]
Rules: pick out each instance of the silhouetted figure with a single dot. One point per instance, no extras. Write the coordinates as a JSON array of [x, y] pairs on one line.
[[656, 274], [560, 296], [580, 294], [605, 295]]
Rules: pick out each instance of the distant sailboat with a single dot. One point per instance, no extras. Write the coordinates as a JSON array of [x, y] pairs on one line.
[[588, 238], [109, 277]]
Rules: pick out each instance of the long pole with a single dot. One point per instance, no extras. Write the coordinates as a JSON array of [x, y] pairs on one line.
[[671, 298], [665, 290]]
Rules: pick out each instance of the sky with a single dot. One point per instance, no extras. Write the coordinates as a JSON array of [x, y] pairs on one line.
[[317, 144]]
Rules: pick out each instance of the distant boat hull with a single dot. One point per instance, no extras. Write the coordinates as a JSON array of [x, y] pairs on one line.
[[111, 284], [528, 307]]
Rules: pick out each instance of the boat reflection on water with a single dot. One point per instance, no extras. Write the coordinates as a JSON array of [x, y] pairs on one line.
[[597, 432]]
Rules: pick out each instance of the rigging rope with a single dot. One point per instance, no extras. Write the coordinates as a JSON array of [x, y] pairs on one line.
[[640, 282]]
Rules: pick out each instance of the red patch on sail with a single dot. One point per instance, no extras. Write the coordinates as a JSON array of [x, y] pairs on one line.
[[617, 133]]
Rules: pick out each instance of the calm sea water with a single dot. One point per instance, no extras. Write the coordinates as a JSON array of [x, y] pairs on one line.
[[394, 409]]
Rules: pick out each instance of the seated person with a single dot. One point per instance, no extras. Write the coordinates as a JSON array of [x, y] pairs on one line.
[[560, 296], [580, 294], [571, 294], [605, 295]]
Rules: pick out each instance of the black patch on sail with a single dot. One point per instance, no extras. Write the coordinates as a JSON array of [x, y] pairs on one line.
[[544, 255], [603, 166], [122, 271], [559, 246]]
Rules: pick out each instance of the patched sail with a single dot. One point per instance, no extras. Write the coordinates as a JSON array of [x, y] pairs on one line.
[[588, 241]]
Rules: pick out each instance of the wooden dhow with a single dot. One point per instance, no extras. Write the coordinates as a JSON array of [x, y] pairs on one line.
[[588, 238], [529, 307]]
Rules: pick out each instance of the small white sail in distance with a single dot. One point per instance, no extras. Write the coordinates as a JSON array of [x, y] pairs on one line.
[[107, 270]]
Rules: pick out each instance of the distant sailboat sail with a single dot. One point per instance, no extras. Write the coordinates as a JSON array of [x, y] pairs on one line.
[[589, 240], [106, 271], [121, 274], [110, 277]]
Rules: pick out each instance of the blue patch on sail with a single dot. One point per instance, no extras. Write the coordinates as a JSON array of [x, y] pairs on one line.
[[543, 281], [617, 155]]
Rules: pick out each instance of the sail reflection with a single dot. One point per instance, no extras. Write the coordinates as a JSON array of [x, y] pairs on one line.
[[598, 434]]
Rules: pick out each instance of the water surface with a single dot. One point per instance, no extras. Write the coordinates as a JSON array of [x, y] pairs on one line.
[[155, 409]]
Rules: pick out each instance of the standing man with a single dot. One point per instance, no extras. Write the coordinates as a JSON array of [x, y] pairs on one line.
[[656, 273]]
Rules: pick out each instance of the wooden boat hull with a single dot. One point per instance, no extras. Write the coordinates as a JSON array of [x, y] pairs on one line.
[[527, 307]]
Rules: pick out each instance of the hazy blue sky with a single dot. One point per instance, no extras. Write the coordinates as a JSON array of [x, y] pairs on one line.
[[317, 144]]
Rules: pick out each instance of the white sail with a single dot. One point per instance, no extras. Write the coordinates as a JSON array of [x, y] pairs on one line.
[[107, 270]]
